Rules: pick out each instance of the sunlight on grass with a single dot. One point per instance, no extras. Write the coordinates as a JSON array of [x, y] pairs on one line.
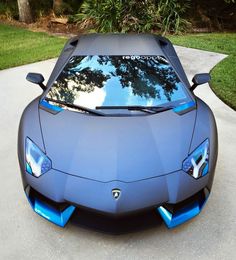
[[223, 74], [19, 46]]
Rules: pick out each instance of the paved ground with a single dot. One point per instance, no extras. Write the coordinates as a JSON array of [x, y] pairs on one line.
[[24, 235]]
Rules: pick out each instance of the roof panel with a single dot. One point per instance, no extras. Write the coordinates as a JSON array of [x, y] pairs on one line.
[[118, 44]]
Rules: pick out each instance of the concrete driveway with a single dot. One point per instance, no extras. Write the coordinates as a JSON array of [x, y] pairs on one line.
[[25, 235]]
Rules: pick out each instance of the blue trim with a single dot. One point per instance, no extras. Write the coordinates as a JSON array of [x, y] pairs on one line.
[[28, 169], [205, 170], [186, 106], [47, 105], [183, 215], [47, 212]]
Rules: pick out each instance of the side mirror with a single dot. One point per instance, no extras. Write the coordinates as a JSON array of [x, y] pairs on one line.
[[36, 78], [200, 79]]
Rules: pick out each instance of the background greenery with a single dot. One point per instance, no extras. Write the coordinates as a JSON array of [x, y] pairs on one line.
[[172, 16], [39, 7], [132, 16], [19, 46]]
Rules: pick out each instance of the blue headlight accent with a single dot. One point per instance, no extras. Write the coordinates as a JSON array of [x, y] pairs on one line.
[[37, 162], [28, 169], [181, 216], [185, 107], [205, 170], [59, 218], [197, 163], [49, 106]]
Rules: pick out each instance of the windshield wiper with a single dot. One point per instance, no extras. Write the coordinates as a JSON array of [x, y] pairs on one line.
[[85, 109], [147, 109]]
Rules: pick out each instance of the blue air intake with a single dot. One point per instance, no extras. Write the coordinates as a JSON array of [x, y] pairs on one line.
[[45, 208], [180, 214]]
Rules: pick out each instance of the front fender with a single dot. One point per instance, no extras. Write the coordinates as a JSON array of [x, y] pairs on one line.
[[29, 127], [205, 127]]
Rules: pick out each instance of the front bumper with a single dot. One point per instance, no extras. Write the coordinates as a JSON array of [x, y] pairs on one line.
[[176, 214], [60, 188]]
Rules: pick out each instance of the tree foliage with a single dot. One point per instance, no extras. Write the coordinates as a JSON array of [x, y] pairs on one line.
[[133, 16], [163, 16]]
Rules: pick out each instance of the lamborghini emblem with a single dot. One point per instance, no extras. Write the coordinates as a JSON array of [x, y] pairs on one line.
[[116, 193]]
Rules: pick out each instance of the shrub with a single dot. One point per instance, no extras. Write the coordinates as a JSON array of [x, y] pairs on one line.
[[171, 12], [133, 16], [9, 9]]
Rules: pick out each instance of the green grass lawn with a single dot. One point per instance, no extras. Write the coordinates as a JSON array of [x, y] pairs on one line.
[[19, 46], [223, 74]]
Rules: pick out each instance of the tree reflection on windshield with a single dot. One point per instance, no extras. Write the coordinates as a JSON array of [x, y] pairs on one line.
[[142, 75], [134, 80]]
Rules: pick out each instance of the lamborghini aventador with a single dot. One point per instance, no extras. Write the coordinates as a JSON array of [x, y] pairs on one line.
[[117, 130]]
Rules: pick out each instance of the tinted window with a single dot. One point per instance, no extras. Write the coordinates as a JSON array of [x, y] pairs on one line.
[[93, 81]]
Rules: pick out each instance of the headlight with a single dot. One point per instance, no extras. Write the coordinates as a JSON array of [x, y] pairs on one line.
[[197, 162], [37, 162]]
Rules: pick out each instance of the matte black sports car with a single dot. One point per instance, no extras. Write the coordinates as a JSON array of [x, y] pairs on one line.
[[117, 130]]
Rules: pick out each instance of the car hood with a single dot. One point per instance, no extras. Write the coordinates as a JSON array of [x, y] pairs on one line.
[[117, 148]]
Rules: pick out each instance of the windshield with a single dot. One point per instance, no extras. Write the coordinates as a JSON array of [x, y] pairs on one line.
[[100, 81]]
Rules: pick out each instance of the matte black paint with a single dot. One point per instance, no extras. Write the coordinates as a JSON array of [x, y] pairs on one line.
[[141, 156]]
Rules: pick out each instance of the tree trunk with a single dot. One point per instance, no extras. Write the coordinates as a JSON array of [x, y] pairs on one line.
[[57, 6], [24, 11]]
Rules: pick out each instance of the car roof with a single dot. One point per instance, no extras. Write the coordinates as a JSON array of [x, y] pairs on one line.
[[118, 44]]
